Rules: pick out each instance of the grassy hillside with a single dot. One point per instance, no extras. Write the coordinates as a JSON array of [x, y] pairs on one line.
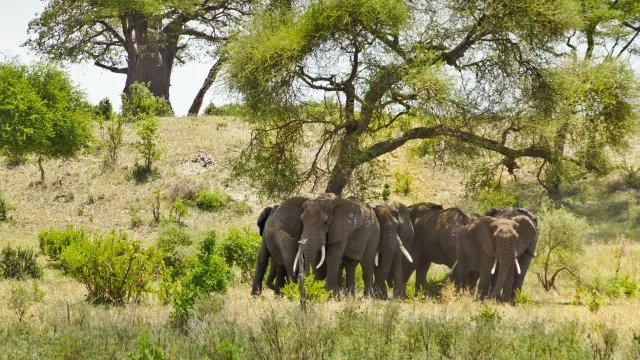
[[236, 325]]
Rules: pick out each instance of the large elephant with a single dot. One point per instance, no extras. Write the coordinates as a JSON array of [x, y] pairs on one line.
[[490, 242], [437, 231], [396, 235], [339, 231], [280, 235], [526, 257]]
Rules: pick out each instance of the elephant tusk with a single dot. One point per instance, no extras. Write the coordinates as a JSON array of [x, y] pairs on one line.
[[322, 254], [452, 268], [493, 269], [375, 261], [406, 253], [295, 262], [517, 264]]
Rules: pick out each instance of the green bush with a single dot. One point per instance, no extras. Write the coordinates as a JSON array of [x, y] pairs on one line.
[[104, 110], [4, 208], [225, 110], [139, 102], [179, 209], [212, 200], [52, 242], [19, 264], [170, 240], [240, 208], [148, 144], [314, 289], [112, 140], [486, 315], [206, 272], [496, 196], [21, 299], [615, 286], [113, 268], [240, 249], [402, 183]]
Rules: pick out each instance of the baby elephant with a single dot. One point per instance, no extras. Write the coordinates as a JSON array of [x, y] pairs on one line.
[[489, 243]]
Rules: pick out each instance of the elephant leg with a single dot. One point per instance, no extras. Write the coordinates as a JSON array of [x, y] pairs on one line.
[[382, 273], [280, 278], [350, 268], [421, 276], [334, 261], [272, 274], [367, 275], [399, 290], [261, 268], [524, 261], [472, 280], [485, 283]]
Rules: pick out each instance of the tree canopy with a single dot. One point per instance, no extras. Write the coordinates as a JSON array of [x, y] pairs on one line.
[[41, 113], [534, 80], [140, 38]]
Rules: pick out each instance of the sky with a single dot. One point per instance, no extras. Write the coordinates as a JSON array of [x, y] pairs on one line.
[[97, 83]]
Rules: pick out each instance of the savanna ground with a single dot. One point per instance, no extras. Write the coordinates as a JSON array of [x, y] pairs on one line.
[[553, 324]]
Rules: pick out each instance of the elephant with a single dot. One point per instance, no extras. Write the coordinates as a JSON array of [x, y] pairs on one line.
[[396, 235], [280, 235], [526, 257], [263, 258], [486, 243], [437, 232], [340, 231]]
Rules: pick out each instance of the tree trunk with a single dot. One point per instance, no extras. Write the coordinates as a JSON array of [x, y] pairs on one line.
[[345, 164], [41, 169], [211, 77]]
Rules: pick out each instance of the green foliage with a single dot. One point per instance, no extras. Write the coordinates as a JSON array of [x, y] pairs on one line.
[[240, 208], [104, 110], [314, 289], [148, 144], [559, 242], [171, 242], [495, 196], [522, 298], [52, 242], [113, 268], [632, 177], [402, 183], [225, 110], [487, 314], [205, 273], [604, 341], [179, 209], [19, 263], [145, 350], [386, 192], [41, 112], [139, 103], [22, 299], [4, 208], [212, 200], [112, 139], [240, 248]]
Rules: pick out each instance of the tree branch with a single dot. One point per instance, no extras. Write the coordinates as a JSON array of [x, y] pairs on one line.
[[114, 69]]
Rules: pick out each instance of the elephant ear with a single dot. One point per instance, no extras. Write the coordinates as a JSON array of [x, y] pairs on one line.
[[405, 228], [262, 219], [527, 234], [348, 215], [481, 231]]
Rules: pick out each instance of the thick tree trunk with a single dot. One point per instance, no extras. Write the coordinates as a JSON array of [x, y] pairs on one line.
[[211, 77], [348, 160]]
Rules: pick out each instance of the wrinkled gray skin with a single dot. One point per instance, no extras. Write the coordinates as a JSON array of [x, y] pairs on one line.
[[395, 230], [280, 236], [526, 257], [485, 241], [437, 232], [349, 230], [263, 260]]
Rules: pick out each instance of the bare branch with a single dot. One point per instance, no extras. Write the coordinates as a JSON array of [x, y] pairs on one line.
[[114, 69]]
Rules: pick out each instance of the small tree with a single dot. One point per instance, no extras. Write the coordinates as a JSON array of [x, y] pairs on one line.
[[148, 145], [560, 240], [139, 102], [42, 113]]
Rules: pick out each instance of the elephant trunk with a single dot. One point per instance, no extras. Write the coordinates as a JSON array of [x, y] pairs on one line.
[[505, 257], [311, 245]]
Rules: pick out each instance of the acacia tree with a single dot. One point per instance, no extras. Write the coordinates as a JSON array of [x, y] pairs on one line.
[[357, 79], [140, 38]]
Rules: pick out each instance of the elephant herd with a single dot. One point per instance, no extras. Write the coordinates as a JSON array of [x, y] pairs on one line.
[[329, 236]]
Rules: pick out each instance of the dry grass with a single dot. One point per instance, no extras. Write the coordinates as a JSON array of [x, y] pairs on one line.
[[114, 193]]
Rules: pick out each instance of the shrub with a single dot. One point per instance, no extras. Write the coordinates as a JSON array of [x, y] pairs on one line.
[[212, 200], [42, 113], [386, 192], [135, 220], [113, 268], [179, 209], [314, 289], [559, 242], [4, 209], [402, 183], [170, 238], [486, 315], [19, 264], [240, 208], [240, 249], [495, 196], [522, 298], [104, 110], [204, 273], [21, 299], [225, 110], [148, 144], [52, 242], [112, 139], [140, 102]]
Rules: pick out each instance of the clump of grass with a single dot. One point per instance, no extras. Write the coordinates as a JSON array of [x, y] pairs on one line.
[[22, 299], [4, 208], [212, 200], [19, 263], [402, 183], [314, 290]]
